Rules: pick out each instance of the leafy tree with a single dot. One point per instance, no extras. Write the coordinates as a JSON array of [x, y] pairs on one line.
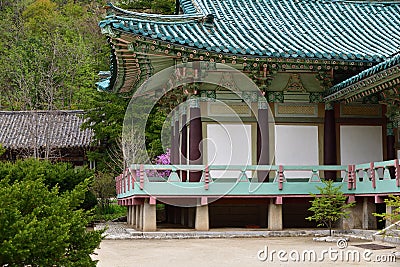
[[42, 227], [104, 189], [329, 205], [2, 150], [394, 216]]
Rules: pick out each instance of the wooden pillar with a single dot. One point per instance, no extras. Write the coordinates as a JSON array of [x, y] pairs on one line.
[[176, 138], [262, 140], [195, 138], [390, 146], [330, 157], [183, 143], [173, 145]]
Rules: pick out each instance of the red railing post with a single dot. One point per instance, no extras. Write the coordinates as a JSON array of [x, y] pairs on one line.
[[397, 172], [373, 176], [128, 179], [206, 178], [133, 177], [141, 175], [350, 176], [280, 181]]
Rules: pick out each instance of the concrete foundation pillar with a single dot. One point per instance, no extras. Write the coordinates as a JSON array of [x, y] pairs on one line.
[[133, 215], [191, 217], [275, 218], [183, 216], [389, 210], [137, 215], [369, 220], [128, 215], [149, 217], [177, 215], [354, 220], [140, 221], [202, 220]]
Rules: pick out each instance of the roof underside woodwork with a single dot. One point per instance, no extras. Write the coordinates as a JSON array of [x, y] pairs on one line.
[[295, 36]]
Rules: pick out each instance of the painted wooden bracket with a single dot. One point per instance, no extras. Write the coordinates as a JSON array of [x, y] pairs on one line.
[[314, 176], [203, 201], [243, 176], [152, 200], [174, 177]]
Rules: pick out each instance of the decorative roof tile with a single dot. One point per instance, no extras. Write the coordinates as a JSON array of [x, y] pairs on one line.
[[338, 30], [57, 129]]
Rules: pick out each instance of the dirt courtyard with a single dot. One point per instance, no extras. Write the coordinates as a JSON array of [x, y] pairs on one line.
[[272, 251]]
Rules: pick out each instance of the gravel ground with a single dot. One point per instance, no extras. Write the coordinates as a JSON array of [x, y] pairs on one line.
[[126, 247]]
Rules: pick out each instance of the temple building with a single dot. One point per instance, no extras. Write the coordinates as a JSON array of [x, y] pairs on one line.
[[54, 135], [327, 102]]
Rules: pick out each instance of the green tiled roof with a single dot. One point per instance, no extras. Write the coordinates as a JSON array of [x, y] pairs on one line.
[[338, 30]]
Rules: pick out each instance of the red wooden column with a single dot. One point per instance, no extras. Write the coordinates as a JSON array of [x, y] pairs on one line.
[[195, 137], [262, 140], [390, 145], [173, 140], [330, 157], [176, 138], [183, 136]]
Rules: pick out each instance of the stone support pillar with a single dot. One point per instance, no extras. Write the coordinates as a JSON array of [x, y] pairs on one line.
[[275, 216], [330, 157], [389, 210], [149, 217], [191, 217], [140, 221], [369, 220], [137, 216], [202, 219], [128, 215], [262, 140], [133, 215], [195, 138]]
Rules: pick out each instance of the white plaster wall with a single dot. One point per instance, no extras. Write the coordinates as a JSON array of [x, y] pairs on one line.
[[296, 145], [228, 144], [360, 144]]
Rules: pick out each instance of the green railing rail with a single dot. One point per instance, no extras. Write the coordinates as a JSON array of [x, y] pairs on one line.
[[145, 180]]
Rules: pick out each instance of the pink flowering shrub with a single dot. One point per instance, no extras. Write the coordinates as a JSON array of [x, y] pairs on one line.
[[163, 159]]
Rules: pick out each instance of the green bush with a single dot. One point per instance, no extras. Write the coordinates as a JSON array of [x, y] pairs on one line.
[[43, 227]]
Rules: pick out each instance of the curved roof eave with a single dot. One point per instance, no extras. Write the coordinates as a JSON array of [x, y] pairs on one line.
[[337, 30], [337, 90]]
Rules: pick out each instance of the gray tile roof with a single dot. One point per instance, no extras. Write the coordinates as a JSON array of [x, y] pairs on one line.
[[57, 129]]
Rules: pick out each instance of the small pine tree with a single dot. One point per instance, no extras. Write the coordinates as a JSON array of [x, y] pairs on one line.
[[329, 205]]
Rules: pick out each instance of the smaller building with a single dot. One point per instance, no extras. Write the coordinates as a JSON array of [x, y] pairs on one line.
[[54, 135]]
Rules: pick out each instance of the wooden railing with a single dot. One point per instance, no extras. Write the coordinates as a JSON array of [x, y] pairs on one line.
[[140, 176]]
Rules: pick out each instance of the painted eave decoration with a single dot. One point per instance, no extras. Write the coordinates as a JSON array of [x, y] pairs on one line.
[[382, 77], [297, 33]]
